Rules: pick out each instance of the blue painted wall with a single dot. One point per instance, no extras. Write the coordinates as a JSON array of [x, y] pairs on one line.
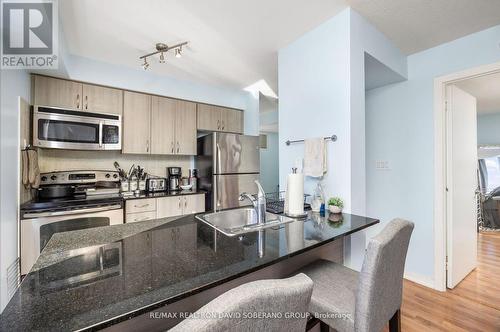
[[269, 163], [488, 129], [400, 129]]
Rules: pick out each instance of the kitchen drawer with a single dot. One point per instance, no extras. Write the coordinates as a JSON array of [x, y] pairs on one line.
[[140, 216], [140, 205]]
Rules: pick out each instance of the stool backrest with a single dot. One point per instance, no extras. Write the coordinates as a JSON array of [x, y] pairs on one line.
[[279, 297], [380, 285]]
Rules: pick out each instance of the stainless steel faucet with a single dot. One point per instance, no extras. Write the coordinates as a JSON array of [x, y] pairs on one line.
[[259, 203]]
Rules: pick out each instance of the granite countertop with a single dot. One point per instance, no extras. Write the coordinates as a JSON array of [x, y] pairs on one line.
[[89, 279], [164, 194]]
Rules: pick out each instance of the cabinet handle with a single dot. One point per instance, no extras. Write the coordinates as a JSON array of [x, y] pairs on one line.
[[179, 203], [178, 147], [141, 219], [77, 100], [185, 203], [141, 206], [147, 145], [223, 125], [86, 102], [173, 150], [218, 124]]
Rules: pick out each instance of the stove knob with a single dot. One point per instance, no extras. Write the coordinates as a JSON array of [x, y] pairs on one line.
[[115, 176], [53, 177], [44, 178], [107, 176]]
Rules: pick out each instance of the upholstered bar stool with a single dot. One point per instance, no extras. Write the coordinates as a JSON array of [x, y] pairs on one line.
[[279, 297], [347, 300]]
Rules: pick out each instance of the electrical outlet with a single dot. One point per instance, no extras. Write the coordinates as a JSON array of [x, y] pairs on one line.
[[382, 165]]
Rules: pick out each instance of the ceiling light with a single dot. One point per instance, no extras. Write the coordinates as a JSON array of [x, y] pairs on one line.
[[163, 48]]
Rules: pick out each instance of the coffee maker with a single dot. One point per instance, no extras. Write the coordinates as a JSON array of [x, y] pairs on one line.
[[174, 178]]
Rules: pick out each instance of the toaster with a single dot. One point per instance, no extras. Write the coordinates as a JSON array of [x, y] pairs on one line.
[[156, 184]]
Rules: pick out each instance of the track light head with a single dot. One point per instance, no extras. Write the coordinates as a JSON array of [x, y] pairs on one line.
[[178, 52], [145, 65], [162, 58]]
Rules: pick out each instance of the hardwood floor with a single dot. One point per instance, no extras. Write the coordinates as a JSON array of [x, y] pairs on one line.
[[474, 305]]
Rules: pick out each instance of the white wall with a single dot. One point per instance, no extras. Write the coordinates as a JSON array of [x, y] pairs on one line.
[[400, 129], [13, 83], [488, 129]]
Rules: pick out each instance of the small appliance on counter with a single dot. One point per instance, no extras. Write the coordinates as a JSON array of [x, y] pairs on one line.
[[193, 178], [156, 184], [174, 178]]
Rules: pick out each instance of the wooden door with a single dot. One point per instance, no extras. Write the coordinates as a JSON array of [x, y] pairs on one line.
[[49, 91], [169, 206], [136, 123], [461, 146], [185, 127], [232, 121], [163, 111], [194, 204], [208, 117], [102, 99]]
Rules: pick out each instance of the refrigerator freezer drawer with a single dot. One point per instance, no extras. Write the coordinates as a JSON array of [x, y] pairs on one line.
[[227, 189]]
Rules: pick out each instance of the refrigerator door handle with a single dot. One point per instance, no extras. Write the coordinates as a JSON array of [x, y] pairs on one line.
[[219, 166]]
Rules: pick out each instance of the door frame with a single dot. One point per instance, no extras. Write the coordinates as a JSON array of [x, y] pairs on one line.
[[440, 164]]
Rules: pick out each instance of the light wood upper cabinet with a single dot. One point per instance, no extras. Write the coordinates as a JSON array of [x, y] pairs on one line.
[[162, 125], [232, 121], [208, 117], [100, 99], [185, 127], [217, 118], [49, 91], [136, 123]]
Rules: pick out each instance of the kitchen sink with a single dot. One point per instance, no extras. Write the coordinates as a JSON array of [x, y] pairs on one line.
[[240, 221]]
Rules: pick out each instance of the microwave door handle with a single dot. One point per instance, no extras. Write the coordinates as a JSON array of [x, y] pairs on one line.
[[100, 134]]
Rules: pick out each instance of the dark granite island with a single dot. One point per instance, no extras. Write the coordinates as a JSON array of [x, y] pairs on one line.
[[124, 277]]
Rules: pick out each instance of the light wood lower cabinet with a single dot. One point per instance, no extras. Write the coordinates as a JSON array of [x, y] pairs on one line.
[[163, 207]]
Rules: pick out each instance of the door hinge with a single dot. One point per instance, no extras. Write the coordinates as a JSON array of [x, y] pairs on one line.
[[446, 263]]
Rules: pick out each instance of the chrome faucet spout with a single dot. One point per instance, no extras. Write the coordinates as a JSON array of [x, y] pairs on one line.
[[259, 203]]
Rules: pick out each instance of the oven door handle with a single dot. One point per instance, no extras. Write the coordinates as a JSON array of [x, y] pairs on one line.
[[71, 212], [100, 134]]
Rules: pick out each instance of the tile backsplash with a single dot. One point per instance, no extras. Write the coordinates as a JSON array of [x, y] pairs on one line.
[[61, 160]]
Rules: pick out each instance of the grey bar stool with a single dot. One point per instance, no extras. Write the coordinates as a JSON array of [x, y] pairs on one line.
[[365, 301], [275, 296]]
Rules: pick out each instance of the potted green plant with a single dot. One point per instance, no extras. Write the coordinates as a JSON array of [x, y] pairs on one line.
[[335, 205]]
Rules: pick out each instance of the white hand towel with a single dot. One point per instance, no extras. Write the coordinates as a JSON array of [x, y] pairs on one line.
[[315, 157]]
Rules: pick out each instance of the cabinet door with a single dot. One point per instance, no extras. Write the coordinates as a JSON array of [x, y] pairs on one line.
[[136, 123], [101, 99], [232, 121], [169, 206], [194, 204], [208, 117], [185, 127], [163, 125], [56, 92]]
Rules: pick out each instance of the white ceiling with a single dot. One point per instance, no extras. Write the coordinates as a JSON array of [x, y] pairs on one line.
[[234, 43], [486, 89], [416, 25]]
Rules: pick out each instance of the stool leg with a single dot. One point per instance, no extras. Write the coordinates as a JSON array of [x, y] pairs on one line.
[[323, 327], [395, 322]]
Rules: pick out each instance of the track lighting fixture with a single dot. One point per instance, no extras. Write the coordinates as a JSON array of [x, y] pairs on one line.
[[162, 49]]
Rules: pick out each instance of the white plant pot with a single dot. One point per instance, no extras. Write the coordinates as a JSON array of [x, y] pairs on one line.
[[334, 209]]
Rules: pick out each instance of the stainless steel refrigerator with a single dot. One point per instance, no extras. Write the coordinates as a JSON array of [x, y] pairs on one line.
[[228, 164]]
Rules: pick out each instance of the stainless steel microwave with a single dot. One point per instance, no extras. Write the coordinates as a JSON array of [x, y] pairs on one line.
[[59, 128]]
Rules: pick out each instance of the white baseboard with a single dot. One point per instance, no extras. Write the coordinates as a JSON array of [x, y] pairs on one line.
[[420, 279]]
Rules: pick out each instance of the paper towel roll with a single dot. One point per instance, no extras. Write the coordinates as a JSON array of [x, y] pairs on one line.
[[295, 194]]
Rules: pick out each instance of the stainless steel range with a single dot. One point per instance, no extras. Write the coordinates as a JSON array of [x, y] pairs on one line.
[[67, 201]]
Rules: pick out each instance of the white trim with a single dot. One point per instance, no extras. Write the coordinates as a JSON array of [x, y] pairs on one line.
[[440, 165], [420, 279]]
